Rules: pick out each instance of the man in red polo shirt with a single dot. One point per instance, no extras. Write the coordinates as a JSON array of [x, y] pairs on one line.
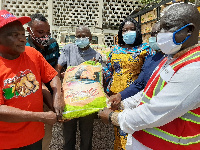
[[23, 69]]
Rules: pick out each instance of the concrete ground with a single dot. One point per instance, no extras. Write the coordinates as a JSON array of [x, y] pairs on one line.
[[103, 137]]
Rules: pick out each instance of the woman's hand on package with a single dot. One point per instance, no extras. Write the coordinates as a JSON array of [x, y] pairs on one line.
[[114, 101]]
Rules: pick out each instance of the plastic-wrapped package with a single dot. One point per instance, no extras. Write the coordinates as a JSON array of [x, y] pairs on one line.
[[83, 90]]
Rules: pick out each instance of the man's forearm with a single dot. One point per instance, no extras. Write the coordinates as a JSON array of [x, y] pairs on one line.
[[58, 101], [56, 86], [15, 115], [58, 68], [47, 97]]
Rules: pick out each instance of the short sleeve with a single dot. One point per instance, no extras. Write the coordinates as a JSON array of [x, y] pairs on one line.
[[47, 71], [99, 57], [64, 55], [1, 97], [150, 52]]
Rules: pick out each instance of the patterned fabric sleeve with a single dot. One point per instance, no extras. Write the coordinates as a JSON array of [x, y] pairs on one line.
[[108, 72], [144, 51], [150, 52]]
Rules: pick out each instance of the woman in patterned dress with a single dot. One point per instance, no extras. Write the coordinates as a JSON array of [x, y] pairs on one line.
[[124, 65]]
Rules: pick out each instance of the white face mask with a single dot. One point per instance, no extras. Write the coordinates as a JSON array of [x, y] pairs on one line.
[[166, 44]]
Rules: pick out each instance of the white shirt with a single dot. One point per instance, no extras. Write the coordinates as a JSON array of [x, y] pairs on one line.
[[181, 94]]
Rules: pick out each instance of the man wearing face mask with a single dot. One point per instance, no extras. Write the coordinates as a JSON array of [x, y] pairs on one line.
[[40, 38], [73, 55], [76, 53], [146, 71], [168, 110]]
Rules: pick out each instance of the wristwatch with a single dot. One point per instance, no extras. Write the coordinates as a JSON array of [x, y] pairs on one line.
[[110, 115]]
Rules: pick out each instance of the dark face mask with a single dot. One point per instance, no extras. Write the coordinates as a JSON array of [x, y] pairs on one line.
[[41, 40]]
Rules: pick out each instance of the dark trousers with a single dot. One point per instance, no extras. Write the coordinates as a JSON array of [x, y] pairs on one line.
[[86, 132], [34, 146]]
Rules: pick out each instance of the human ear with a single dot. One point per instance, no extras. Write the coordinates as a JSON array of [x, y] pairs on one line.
[[90, 38], [191, 29]]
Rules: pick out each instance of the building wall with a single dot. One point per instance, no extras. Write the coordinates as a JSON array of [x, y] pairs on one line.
[[102, 16]]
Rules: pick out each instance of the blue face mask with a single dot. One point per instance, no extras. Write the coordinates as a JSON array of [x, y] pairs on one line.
[[82, 42], [153, 44], [129, 37]]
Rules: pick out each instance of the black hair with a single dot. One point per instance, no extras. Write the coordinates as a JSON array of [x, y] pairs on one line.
[[37, 17], [138, 39], [156, 27], [180, 14], [81, 70], [84, 28], [97, 76]]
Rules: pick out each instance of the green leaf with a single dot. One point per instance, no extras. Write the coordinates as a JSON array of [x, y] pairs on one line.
[[8, 93]]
